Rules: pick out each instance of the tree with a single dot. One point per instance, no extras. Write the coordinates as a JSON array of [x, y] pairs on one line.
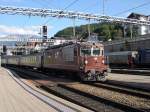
[[105, 31]]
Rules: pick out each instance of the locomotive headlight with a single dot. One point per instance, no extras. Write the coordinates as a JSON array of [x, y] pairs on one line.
[[95, 58], [103, 61], [86, 62]]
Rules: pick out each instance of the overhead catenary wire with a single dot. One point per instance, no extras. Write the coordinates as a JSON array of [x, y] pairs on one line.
[[67, 14], [44, 4], [68, 6], [139, 6], [48, 3], [89, 7], [72, 3], [40, 3]]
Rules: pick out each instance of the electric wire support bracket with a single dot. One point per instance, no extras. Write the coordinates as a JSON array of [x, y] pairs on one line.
[[68, 14]]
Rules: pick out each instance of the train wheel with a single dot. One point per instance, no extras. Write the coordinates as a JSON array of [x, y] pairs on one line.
[[81, 76], [102, 77]]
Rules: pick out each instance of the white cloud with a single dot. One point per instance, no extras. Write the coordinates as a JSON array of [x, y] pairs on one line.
[[33, 30], [17, 30], [14, 1]]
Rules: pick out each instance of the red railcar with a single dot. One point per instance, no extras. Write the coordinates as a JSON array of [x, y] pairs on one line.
[[83, 59], [78, 58]]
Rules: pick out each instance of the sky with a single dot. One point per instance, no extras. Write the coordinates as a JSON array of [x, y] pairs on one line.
[[17, 24]]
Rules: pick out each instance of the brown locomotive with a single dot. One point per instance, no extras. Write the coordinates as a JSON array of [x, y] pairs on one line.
[[84, 59]]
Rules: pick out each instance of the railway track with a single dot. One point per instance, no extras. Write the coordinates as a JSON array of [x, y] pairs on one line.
[[80, 99], [120, 84], [124, 99], [143, 72], [69, 95], [87, 98], [122, 89], [108, 82]]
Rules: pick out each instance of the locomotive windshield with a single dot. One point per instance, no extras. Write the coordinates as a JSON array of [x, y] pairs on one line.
[[96, 52], [86, 52], [90, 52]]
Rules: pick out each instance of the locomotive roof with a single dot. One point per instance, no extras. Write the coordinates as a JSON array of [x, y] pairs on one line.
[[7, 56], [75, 43], [91, 44], [17, 56], [60, 45]]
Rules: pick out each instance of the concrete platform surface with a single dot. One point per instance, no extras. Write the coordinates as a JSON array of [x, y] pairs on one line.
[[14, 98], [139, 81], [54, 101]]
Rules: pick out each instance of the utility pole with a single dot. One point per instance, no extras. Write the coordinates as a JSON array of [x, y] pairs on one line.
[[89, 30], [131, 31], [124, 31], [74, 29]]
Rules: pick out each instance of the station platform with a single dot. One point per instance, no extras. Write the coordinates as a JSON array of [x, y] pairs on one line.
[[16, 97], [137, 81]]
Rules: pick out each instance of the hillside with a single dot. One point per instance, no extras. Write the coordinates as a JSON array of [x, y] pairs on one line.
[[105, 31]]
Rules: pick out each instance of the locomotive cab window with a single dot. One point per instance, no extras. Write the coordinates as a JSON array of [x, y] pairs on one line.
[[86, 52], [96, 51], [90, 52]]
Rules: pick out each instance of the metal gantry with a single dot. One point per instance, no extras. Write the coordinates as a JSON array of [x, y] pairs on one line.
[[67, 14]]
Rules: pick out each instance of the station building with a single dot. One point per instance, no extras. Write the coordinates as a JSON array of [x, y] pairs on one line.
[[142, 30], [18, 46]]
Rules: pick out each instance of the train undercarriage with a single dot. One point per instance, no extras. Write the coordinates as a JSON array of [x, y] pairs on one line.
[[92, 75]]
